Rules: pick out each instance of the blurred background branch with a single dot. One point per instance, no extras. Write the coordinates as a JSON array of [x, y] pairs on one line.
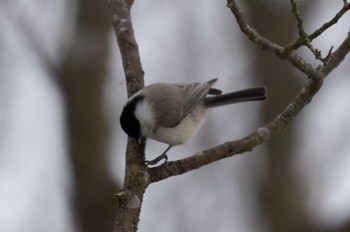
[[82, 77]]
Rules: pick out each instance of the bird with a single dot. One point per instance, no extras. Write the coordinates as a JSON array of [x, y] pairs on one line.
[[172, 113]]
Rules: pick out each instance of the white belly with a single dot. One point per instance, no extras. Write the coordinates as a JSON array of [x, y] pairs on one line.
[[186, 130]]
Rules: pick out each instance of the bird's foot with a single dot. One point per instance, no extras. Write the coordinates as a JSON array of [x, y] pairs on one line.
[[157, 160]]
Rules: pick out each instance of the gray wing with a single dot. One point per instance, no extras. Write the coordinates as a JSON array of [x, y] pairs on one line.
[[169, 108], [173, 102], [194, 93]]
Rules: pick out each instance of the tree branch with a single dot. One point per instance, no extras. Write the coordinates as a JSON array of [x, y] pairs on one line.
[[228, 149], [266, 44], [127, 44], [303, 36], [298, 17], [136, 180], [305, 39], [337, 56], [331, 22]]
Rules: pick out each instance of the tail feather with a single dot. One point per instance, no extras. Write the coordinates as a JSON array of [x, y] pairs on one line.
[[253, 94]]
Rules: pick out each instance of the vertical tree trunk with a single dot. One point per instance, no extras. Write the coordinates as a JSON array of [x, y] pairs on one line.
[[282, 202], [82, 79]]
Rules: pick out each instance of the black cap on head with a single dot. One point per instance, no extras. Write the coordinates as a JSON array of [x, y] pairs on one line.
[[128, 121]]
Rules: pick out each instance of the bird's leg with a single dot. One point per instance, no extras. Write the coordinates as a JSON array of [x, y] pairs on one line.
[[159, 158]]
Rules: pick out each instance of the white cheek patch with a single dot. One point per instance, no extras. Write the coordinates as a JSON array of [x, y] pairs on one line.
[[143, 113]]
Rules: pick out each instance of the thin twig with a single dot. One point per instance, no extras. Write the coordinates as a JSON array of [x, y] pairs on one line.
[[266, 44], [331, 22], [304, 38], [299, 18]]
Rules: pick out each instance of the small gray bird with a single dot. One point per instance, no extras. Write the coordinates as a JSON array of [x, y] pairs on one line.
[[173, 113]]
